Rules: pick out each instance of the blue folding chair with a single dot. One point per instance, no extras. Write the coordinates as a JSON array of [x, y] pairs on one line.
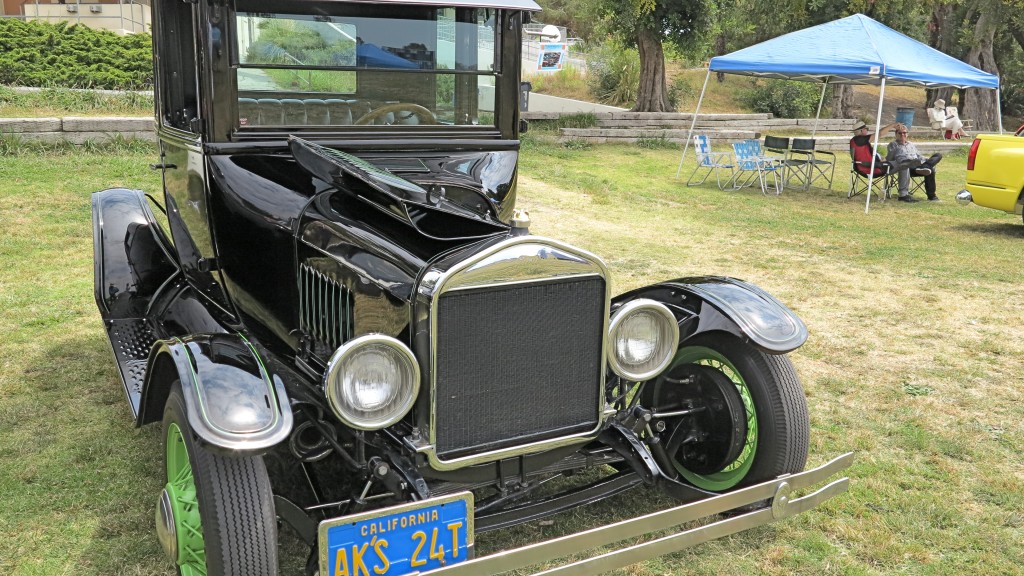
[[711, 162], [751, 166]]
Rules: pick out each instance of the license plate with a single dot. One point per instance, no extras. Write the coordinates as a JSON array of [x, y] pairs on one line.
[[403, 539]]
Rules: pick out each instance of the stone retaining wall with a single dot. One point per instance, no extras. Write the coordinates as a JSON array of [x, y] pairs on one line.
[[80, 129], [614, 127]]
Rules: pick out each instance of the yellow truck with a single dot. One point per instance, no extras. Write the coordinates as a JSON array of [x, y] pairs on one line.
[[995, 178]]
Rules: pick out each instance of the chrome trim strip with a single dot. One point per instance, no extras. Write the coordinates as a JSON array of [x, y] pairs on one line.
[[523, 282], [500, 265], [777, 490]]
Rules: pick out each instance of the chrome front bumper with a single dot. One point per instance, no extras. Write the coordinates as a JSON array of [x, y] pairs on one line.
[[778, 491]]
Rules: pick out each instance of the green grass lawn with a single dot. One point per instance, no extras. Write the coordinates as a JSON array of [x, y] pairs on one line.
[[60, 102], [913, 361]]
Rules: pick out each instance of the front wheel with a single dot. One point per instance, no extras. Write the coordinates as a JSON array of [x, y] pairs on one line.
[[734, 416], [216, 515]]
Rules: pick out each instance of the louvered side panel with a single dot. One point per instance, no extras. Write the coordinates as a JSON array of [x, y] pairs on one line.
[[325, 307]]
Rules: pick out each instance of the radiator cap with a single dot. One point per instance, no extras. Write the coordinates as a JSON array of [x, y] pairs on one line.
[[520, 222]]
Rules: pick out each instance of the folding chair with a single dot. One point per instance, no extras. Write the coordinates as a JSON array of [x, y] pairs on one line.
[[818, 164], [755, 166], [777, 145], [916, 183], [710, 161], [793, 168], [860, 157]]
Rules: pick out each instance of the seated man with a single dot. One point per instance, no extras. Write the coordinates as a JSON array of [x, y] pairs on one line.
[[943, 118], [905, 157]]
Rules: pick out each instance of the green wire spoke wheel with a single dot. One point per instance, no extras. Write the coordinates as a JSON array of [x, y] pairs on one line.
[[759, 429], [215, 515]]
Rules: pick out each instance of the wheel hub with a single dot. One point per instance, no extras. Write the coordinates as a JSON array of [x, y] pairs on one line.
[[166, 531], [713, 438], [179, 525]]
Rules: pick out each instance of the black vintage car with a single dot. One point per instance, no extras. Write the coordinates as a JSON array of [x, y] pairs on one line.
[[345, 327]]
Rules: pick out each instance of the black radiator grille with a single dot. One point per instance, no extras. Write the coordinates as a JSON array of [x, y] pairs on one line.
[[516, 364]]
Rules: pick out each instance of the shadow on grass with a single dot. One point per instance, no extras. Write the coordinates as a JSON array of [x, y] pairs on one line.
[[1001, 229], [85, 479]]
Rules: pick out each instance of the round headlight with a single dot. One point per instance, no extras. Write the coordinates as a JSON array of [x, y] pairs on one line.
[[642, 338], [372, 382]]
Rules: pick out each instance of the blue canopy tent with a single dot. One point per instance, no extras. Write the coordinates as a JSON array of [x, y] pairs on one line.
[[851, 50], [373, 56]]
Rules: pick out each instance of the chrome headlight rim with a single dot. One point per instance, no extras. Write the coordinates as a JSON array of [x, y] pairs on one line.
[[627, 311], [338, 361]]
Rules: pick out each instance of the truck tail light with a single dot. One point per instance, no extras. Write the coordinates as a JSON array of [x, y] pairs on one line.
[[972, 154]]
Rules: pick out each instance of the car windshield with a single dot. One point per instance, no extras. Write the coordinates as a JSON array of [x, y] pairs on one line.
[[343, 64]]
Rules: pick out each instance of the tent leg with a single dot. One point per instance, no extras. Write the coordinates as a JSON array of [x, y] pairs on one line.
[[999, 112], [820, 101], [874, 149], [693, 123]]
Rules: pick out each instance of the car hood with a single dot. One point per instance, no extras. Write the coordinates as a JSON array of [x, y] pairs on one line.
[[436, 208]]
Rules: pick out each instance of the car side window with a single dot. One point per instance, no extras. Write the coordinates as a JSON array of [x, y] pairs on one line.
[[177, 86]]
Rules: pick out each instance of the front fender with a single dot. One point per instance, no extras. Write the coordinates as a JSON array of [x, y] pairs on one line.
[[717, 303], [232, 401], [132, 256]]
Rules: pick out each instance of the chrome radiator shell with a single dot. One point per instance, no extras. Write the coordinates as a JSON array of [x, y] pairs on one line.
[[511, 273]]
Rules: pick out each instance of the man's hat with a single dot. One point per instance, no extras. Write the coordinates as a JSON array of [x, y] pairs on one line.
[[859, 126]]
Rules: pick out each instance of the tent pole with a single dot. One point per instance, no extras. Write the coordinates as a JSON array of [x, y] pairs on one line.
[[999, 112], [820, 101], [693, 122], [874, 148]]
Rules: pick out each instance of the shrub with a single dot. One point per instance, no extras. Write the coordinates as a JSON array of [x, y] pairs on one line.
[[656, 143], [34, 53], [783, 98], [680, 91], [614, 74]]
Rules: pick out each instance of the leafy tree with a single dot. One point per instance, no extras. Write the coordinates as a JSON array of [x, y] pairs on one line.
[[646, 24], [574, 15]]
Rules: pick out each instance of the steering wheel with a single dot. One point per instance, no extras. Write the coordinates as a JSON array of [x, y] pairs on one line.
[[425, 115]]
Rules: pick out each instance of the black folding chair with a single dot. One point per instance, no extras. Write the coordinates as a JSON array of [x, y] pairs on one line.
[[818, 165], [916, 183]]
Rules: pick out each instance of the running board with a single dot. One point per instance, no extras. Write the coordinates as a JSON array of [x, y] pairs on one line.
[[131, 339]]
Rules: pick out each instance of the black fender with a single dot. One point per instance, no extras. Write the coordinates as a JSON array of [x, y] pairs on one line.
[[717, 303], [233, 402], [132, 257]]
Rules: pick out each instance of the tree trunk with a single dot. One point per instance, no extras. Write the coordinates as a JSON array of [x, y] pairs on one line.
[[980, 104], [653, 93], [942, 29], [842, 101], [720, 51]]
